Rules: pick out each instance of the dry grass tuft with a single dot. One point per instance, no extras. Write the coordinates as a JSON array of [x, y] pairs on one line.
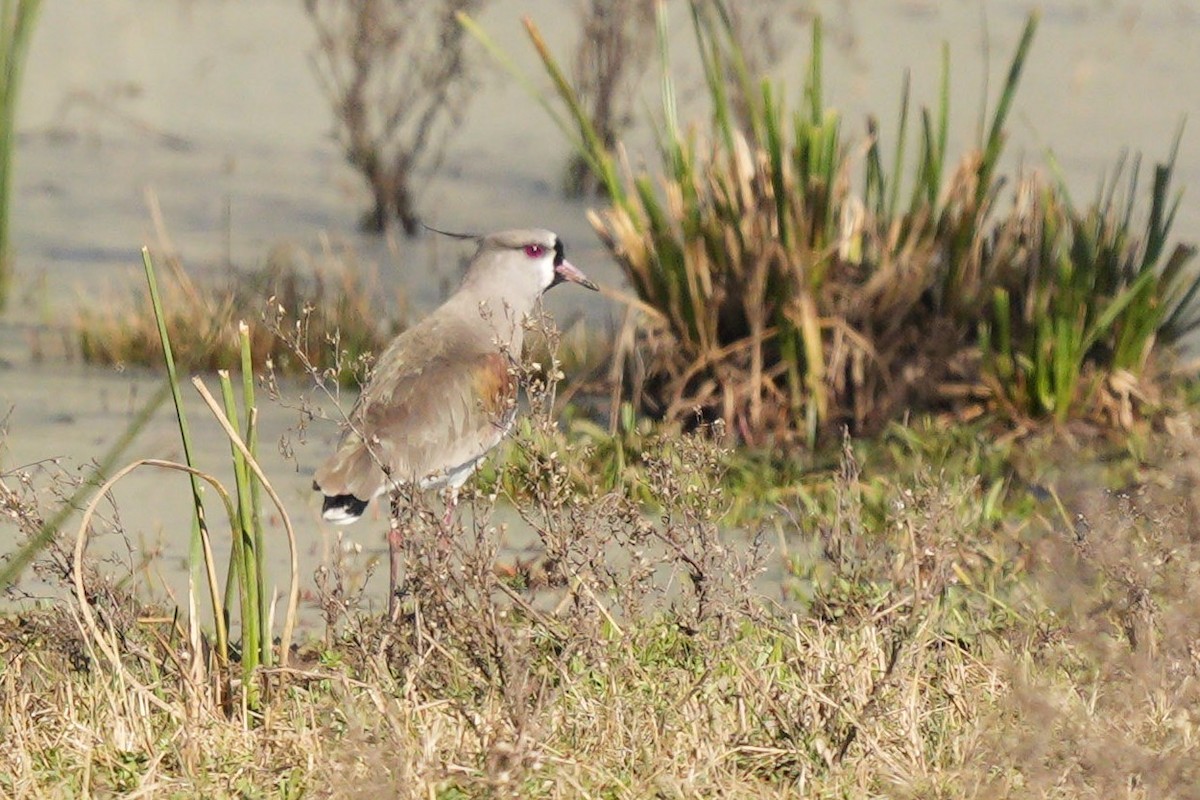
[[315, 318]]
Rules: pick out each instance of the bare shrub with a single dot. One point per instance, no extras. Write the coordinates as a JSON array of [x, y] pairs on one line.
[[30, 497], [1104, 687], [616, 40], [602, 559], [398, 81]]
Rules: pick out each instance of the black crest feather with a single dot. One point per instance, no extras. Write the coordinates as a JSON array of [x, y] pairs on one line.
[[473, 236]]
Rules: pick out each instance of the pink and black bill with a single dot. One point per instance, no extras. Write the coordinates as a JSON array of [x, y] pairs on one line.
[[566, 271]]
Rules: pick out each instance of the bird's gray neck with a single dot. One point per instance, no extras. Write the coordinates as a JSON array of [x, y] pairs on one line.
[[504, 317]]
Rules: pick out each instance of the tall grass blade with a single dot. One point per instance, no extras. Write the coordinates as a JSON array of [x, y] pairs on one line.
[[592, 146], [943, 123], [776, 151], [242, 551], [1161, 217], [251, 439], [1184, 316], [495, 51], [289, 621], [200, 545], [813, 84], [17, 563], [17, 19], [995, 137], [898, 156]]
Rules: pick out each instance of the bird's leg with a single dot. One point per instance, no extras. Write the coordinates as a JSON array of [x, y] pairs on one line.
[[447, 518], [395, 539], [397, 522]]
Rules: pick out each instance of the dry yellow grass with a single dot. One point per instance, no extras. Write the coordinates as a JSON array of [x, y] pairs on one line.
[[940, 655]]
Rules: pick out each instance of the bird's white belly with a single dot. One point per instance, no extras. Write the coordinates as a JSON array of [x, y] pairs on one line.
[[454, 478]]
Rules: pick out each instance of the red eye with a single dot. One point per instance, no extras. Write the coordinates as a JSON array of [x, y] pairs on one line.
[[535, 250]]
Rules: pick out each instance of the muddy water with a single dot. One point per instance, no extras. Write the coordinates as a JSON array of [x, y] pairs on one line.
[[211, 107]]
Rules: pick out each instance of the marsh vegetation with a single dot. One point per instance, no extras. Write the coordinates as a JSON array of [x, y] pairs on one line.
[[17, 18], [792, 282], [894, 494]]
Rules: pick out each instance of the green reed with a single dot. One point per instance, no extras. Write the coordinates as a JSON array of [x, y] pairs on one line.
[[17, 18]]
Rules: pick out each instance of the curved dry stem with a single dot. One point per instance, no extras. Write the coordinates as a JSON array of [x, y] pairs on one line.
[[81, 592], [289, 621]]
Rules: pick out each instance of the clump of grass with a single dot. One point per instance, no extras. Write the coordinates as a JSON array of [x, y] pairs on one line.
[[780, 299], [1077, 326], [322, 321], [208, 660]]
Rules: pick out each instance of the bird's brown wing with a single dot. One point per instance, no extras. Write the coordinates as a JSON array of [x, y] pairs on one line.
[[416, 423]]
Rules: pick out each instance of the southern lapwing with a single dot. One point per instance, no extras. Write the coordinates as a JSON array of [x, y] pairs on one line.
[[444, 392]]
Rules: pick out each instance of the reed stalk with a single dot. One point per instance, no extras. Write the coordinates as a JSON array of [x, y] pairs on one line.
[[17, 19], [200, 545]]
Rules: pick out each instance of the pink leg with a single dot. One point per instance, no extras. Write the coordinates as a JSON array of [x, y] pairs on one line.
[[396, 557], [447, 518]]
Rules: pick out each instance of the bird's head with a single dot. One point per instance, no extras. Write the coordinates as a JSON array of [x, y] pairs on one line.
[[531, 260]]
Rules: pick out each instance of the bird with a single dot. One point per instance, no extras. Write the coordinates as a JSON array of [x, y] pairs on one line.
[[443, 393]]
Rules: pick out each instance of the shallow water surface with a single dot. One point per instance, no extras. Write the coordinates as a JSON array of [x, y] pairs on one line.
[[211, 108]]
